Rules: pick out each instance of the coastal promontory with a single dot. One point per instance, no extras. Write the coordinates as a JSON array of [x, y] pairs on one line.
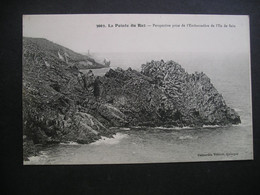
[[62, 104]]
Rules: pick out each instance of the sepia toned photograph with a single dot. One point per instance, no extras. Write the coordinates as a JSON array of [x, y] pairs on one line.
[[136, 88]]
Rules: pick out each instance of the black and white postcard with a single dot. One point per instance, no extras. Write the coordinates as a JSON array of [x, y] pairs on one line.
[[136, 88]]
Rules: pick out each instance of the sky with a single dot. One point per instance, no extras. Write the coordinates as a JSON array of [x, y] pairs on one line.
[[79, 32]]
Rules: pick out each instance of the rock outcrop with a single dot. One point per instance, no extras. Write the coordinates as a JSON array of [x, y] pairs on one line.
[[63, 55], [54, 94], [163, 94], [62, 104], [193, 95]]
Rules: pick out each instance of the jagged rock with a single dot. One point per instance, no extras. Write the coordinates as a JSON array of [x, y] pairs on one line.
[[196, 98], [112, 114], [164, 94], [29, 149], [53, 94], [62, 104]]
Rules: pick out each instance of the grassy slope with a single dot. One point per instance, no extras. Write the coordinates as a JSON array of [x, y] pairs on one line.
[[52, 49]]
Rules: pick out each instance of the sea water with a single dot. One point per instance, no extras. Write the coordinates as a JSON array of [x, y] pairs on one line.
[[230, 75]]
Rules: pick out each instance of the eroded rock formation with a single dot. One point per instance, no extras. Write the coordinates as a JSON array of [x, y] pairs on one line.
[[164, 94], [62, 104]]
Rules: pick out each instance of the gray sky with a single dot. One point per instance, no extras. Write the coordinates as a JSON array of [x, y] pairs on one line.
[[79, 33]]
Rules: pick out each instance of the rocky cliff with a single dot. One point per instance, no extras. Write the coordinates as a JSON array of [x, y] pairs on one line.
[[53, 92], [62, 104], [163, 94], [39, 48]]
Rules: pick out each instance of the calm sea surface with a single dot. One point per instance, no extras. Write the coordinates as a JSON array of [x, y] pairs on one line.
[[230, 75]]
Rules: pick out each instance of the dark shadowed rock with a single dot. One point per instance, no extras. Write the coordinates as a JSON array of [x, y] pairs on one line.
[[62, 104], [164, 94], [54, 93], [193, 95]]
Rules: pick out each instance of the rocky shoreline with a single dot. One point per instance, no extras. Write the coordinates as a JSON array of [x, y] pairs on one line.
[[61, 104]]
